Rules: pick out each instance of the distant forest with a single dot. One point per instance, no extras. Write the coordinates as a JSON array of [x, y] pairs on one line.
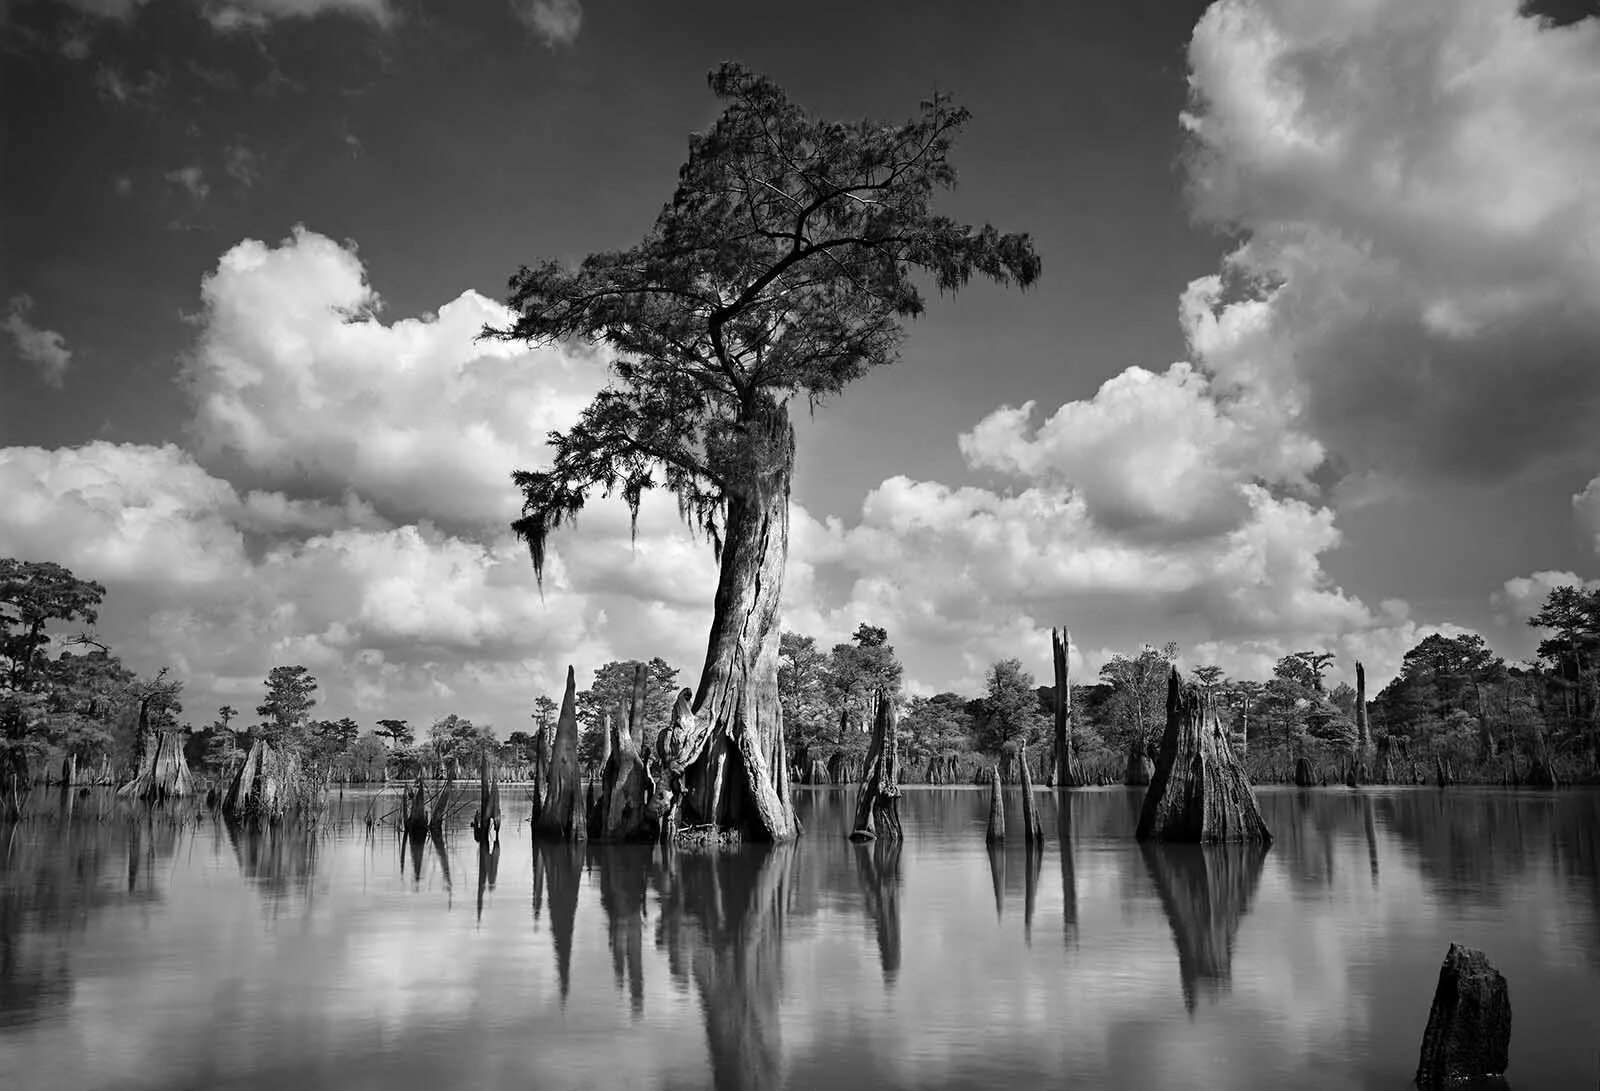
[[1455, 710]]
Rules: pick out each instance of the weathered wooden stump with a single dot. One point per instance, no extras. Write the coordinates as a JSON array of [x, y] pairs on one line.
[[488, 816], [878, 801], [622, 810], [1064, 771], [561, 816], [997, 809], [164, 774], [1199, 792], [1032, 834], [1304, 775], [1468, 1037]]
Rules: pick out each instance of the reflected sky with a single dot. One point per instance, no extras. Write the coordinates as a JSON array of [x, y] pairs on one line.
[[160, 951]]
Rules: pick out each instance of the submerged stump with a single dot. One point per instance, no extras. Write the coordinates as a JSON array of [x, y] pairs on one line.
[[1468, 1037], [878, 802], [1304, 775], [561, 816], [1199, 792], [996, 832], [1032, 834]]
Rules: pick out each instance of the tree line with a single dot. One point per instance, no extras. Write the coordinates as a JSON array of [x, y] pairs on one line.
[[66, 696]]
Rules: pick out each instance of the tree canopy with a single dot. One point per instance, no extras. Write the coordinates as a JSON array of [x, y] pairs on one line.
[[782, 265]]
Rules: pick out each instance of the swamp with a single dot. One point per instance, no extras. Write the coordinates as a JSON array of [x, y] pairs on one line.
[[195, 952]]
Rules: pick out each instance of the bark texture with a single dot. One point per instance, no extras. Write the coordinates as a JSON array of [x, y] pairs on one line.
[[996, 833], [164, 772], [623, 811], [561, 816], [1199, 792], [732, 778], [878, 801], [488, 816], [1468, 1037], [1065, 772], [267, 786], [1032, 834]]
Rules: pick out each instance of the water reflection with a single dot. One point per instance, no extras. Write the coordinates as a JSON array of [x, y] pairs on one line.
[[722, 924], [819, 964], [878, 870], [1205, 891], [1069, 878], [625, 872], [488, 869], [561, 865]]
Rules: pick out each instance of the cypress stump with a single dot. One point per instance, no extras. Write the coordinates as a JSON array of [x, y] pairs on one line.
[[1468, 1037], [1199, 791]]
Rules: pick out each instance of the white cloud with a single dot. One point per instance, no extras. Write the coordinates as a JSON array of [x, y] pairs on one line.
[[1420, 184], [408, 620], [192, 180], [1587, 506], [45, 349], [237, 14], [1151, 454], [556, 22], [294, 373]]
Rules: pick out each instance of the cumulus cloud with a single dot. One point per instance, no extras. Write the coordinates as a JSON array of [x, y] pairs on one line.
[[1419, 181], [295, 373], [1150, 454], [393, 619], [556, 22], [1587, 506], [46, 350]]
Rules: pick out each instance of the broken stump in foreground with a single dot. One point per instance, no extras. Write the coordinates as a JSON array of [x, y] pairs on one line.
[[1468, 1037], [1199, 791]]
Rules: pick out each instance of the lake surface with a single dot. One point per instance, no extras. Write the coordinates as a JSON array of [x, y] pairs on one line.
[[151, 953]]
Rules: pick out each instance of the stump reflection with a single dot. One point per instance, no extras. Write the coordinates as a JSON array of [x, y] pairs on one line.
[[1205, 891]]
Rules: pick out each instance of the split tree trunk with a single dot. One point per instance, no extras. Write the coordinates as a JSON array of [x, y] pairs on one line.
[[626, 787], [1199, 791], [561, 815], [164, 774], [1065, 772], [878, 802], [728, 773]]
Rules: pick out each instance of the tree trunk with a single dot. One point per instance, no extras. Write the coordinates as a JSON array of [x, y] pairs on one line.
[[1065, 773], [488, 803], [1031, 832], [1199, 791], [165, 773], [1363, 728], [996, 832], [1304, 775], [878, 802], [1468, 1037], [561, 816], [626, 787], [1137, 774], [729, 774]]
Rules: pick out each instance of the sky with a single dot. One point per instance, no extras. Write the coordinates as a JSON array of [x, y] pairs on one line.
[[1313, 363]]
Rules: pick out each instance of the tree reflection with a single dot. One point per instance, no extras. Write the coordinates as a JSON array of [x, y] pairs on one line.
[[1205, 891], [279, 858], [1069, 878], [562, 865], [722, 922], [878, 869], [488, 869], [624, 886]]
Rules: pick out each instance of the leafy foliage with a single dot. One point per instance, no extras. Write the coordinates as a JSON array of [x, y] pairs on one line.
[[783, 265]]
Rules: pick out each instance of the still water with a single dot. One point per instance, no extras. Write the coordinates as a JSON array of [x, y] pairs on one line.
[[148, 953]]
